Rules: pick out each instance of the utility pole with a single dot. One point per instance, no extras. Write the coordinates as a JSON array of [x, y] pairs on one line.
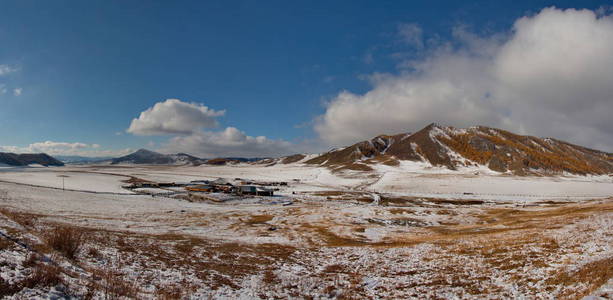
[[63, 185]]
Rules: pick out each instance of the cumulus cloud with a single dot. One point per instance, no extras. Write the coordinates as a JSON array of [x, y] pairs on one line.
[[552, 75], [17, 91], [187, 121], [174, 116], [65, 148], [230, 142]]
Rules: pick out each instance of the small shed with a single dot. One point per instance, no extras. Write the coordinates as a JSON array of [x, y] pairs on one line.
[[253, 190]]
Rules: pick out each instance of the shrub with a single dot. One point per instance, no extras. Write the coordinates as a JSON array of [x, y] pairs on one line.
[[114, 286], [44, 275], [269, 277], [66, 240], [7, 289], [93, 252], [169, 293]]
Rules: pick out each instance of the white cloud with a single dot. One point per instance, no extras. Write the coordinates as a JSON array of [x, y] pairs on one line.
[[174, 116], [551, 76], [50, 146], [230, 142], [411, 34], [186, 122], [5, 69], [17, 91], [64, 148]]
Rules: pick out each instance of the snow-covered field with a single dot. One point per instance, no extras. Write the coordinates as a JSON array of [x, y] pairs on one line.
[[407, 180], [64, 178], [387, 234]]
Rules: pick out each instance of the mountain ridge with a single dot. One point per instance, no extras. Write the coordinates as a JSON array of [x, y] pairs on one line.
[[25, 159], [447, 146], [144, 156]]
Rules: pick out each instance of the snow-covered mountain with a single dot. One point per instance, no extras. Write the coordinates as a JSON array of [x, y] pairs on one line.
[[450, 147]]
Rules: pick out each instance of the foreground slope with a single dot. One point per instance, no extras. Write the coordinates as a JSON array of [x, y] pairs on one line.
[[450, 147], [326, 246]]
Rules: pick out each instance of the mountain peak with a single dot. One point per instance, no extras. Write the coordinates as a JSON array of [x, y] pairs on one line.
[[477, 146], [145, 151]]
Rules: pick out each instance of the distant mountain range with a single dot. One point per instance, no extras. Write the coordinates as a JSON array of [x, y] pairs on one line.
[[435, 145], [27, 159], [75, 159], [450, 147], [144, 156]]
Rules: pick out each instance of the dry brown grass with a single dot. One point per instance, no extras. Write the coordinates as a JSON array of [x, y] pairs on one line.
[[593, 274], [455, 201], [66, 240], [401, 211], [7, 289], [259, 219], [113, 285], [353, 167], [94, 252], [5, 243], [43, 275], [31, 260], [24, 219], [270, 277], [336, 268], [172, 292]]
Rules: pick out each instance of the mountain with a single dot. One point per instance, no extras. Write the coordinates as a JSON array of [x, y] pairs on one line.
[[454, 148], [75, 159], [290, 159], [220, 161], [144, 156], [13, 159]]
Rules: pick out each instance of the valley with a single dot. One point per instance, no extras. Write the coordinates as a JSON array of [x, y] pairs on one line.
[[420, 231]]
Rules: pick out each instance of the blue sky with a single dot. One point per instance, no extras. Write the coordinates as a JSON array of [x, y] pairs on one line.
[[81, 71]]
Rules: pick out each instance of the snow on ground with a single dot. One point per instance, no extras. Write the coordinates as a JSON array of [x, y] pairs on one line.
[[492, 187], [326, 235], [59, 177], [410, 179]]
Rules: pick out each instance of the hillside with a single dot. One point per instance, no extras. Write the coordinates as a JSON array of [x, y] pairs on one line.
[[144, 156], [13, 159], [450, 147]]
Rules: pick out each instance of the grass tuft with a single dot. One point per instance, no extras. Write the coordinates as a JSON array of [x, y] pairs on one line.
[[66, 240]]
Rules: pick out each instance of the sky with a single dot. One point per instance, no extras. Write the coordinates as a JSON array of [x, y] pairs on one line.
[[269, 78]]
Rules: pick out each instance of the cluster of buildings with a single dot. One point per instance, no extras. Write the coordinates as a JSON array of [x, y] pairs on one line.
[[224, 186], [220, 185]]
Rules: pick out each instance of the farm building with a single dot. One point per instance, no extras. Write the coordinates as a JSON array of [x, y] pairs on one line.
[[253, 190], [201, 188]]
